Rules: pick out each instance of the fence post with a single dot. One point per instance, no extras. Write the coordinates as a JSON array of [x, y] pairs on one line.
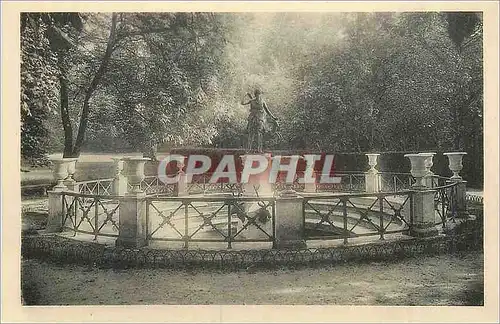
[[289, 223], [372, 176], [423, 222], [132, 211], [55, 197], [181, 186], [120, 180], [459, 202], [422, 200]]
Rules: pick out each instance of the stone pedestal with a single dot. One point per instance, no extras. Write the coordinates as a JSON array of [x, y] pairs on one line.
[[72, 186], [56, 213], [289, 224], [372, 176], [133, 224], [423, 214], [428, 181], [372, 181], [181, 187], [55, 202]]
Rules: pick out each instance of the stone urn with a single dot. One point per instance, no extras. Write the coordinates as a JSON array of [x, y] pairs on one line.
[[60, 172], [428, 179], [455, 163], [71, 169], [134, 171], [428, 162], [418, 169], [181, 165], [372, 161]]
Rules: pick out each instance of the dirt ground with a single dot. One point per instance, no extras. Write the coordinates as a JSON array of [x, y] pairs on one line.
[[437, 280]]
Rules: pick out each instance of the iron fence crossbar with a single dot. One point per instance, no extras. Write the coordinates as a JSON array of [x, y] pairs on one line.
[[78, 211], [362, 211], [78, 207], [193, 229]]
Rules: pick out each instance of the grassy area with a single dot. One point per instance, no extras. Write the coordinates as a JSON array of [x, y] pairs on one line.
[[438, 280]]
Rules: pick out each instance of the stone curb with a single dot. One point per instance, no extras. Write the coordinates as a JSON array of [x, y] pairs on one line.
[[65, 250]]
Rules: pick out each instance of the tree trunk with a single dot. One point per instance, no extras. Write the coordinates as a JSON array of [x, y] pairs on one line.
[[66, 121], [93, 86]]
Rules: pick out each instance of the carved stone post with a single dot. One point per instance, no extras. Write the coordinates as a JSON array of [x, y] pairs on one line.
[[457, 197], [422, 202], [132, 210], [423, 214], [55, 212], [372, 176], [181, 187]]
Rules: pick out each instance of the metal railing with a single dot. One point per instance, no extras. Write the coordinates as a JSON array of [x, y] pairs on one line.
[[210, 219], [96, 187], [90, 214], [232, 218], [350, 182], [346, 216], [445, 203], [152, 185]]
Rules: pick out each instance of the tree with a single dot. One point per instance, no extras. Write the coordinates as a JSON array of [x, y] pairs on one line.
[[166, 81], [40, 34]]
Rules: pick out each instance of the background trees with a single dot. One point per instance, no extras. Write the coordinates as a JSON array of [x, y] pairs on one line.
[[341, 82]]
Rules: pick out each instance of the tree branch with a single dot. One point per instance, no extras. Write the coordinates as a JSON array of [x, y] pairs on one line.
[[93, 86]]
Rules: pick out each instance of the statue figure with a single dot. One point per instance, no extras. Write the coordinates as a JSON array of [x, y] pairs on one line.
[[257, 120]]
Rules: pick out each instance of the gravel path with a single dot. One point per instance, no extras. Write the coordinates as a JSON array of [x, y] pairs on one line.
[[439, 280]]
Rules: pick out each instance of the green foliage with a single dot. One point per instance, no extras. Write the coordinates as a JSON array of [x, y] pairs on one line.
[[41, 38], [39, 92]]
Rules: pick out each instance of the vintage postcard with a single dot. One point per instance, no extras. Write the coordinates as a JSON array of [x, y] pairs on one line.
[[250, 161]]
